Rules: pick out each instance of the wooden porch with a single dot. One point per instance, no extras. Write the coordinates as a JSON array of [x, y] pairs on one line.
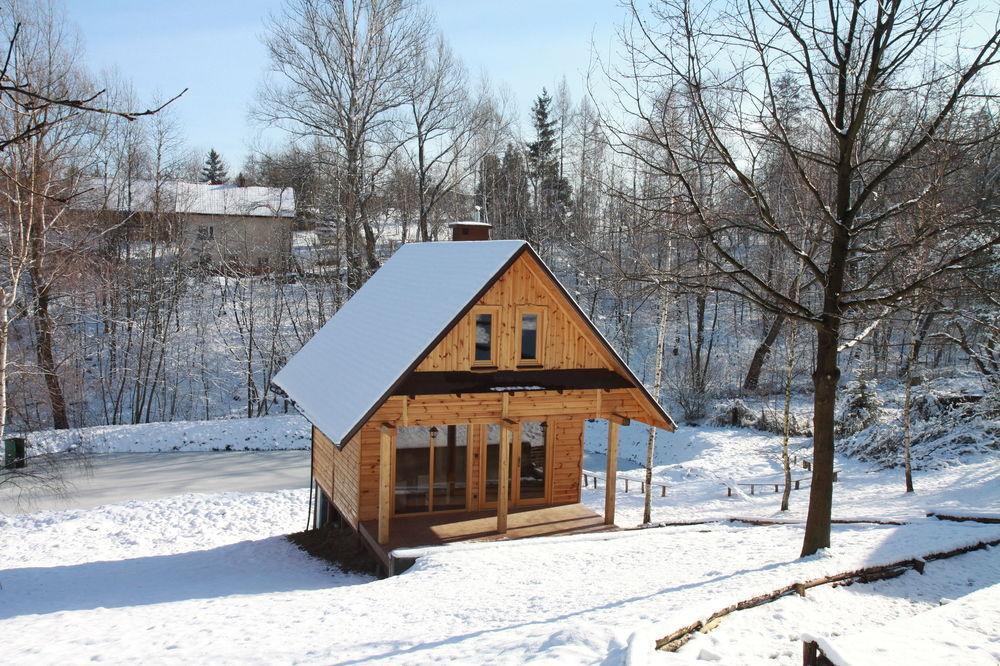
[[444, 528]]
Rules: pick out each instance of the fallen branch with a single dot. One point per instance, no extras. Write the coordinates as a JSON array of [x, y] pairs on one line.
[[963, 519], [674, 640]]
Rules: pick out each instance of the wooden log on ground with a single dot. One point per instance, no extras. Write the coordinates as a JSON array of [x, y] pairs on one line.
[[963, 519]]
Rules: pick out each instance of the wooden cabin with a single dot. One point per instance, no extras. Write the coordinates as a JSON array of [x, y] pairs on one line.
[[448, 399]]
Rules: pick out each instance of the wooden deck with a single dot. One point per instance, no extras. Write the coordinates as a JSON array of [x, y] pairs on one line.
[[439, 529]]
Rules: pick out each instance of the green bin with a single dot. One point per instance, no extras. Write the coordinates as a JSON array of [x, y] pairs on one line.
[[14, 453]]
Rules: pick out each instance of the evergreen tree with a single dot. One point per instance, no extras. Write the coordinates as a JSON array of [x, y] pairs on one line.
[[214, 171], [551, 191]]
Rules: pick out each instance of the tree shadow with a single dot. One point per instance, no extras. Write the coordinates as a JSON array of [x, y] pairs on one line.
[[248, 567]]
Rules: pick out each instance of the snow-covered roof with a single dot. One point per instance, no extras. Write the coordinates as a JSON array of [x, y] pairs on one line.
[[347, 370], [351, 364], [174, 196]]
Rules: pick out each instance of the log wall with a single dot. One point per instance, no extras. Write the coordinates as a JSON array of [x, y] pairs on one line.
[[337, 473]]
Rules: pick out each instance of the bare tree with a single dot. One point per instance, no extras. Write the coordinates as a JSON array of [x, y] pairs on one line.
[[884, 82], [452, 129], [339, 72]]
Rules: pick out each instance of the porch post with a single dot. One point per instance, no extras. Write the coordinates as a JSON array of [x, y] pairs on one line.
[[503, 477], [611, 473], [385, 482]]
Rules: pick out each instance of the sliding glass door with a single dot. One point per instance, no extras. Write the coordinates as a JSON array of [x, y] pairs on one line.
[[431, 471], [529, 464]]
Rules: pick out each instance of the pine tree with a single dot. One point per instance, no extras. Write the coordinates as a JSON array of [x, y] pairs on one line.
[[551, 190], [214, 171]]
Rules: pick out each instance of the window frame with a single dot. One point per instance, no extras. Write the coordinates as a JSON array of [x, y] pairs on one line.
[[539, 360], [494, 312]]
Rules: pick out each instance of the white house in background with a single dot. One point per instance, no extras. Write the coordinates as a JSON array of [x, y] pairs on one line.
[[226, 227]]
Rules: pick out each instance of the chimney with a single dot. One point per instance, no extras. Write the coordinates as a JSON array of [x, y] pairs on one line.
[[471, 230]]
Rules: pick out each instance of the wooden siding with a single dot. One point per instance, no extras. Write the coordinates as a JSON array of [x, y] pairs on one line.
[[431, 410], [566, 343], [567, 461], [337, 472], [323, 452], [368, 470]]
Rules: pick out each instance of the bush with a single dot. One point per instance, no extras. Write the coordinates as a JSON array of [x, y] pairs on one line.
[[734, 413], [737, 413], [862, 407], [772, 420], [955, 431]]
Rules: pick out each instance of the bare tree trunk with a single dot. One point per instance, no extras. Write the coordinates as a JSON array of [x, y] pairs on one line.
[[4, 336], [911, 359], [43, 349], [826, 377], [789, 374], [752, 379], [661, 338]]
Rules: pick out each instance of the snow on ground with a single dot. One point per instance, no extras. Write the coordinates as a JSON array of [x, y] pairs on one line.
[[845, 612], [266, 433], [114, 477], [698, 463], [961, 631], [203, 578], [206, 578]]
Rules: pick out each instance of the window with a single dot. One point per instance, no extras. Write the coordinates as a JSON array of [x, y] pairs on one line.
[[431, 468], [530, 342], [531, 460], [484, 322], [206, 233]]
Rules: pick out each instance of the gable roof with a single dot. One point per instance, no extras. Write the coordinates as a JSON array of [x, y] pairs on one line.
[[386, 328], [372, 344], [175, 196]]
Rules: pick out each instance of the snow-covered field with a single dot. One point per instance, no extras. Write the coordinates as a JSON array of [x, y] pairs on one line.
[[697, 464], [206, 578], [115, 477]]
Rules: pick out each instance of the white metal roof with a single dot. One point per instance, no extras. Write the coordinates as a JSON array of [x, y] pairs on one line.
[[345, 370], [174, 196]]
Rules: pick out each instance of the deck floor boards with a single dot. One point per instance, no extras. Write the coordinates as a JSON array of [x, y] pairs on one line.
[[522, 523]]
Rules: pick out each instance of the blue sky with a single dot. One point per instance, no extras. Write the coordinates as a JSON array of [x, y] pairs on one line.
[[213, 48]]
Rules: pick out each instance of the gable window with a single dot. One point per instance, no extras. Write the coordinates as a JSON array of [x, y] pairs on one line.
[[530, 341], [484, 321]]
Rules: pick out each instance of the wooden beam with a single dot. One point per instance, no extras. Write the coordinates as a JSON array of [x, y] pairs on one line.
[[406, 419], [504, 404], [618, 419], [387, 436], [612, 474], [503, 477], [600, 394]]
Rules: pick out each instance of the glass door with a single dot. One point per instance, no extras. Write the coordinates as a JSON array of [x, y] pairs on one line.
[[431, 471], [529, 464]]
